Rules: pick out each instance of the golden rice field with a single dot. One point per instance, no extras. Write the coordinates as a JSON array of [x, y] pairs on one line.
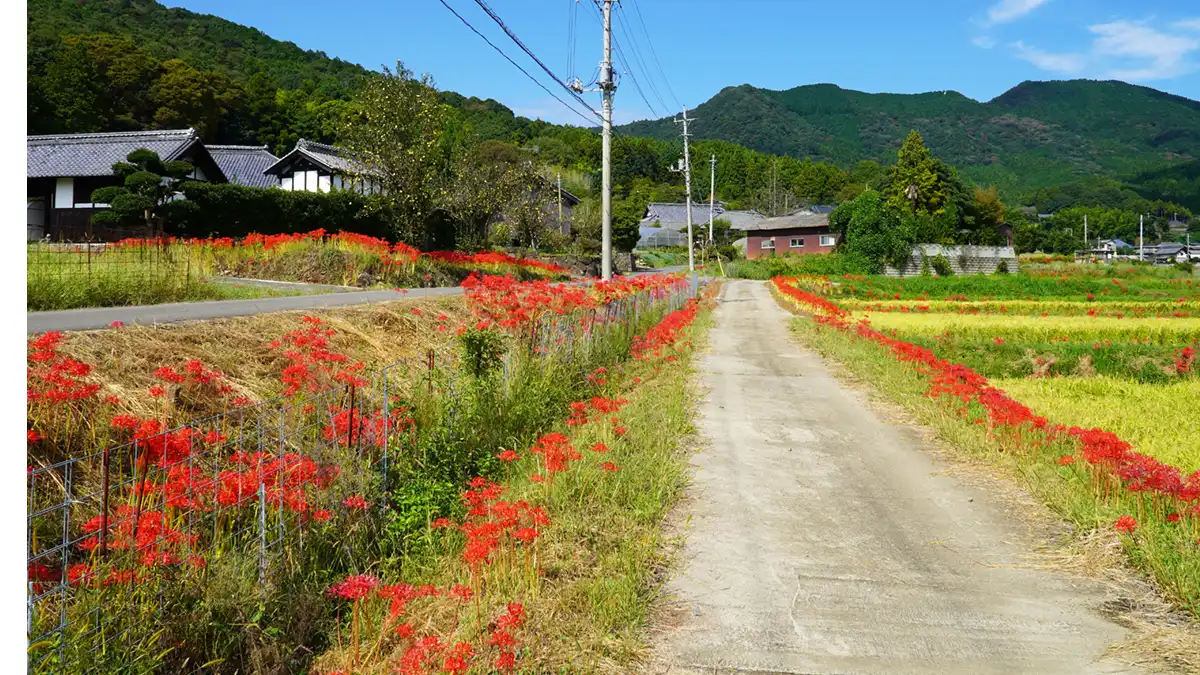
[[1160, 420], [1169, 309], [1164, 331]]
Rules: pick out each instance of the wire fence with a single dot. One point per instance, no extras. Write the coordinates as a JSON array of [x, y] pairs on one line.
[[111, 531]]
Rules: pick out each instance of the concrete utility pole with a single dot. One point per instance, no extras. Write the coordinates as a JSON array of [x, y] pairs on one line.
[[607, 87], [687, 178], [1086, 248], [1142, 237], [712, 196]]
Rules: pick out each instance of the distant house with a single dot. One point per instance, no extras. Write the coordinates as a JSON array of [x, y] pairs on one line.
[[62, 171], [245, 164], [673, 216], [1167, 252], [317, 167], [800, 232]]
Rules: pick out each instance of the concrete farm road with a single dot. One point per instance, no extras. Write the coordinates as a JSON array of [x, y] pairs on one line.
[[94, 318], [823, 540]]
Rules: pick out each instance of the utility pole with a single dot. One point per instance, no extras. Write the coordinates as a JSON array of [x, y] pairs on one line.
[[607, 87], [1142, 236], [712, 196], [686, 167], [1086, 249], [560, 217]]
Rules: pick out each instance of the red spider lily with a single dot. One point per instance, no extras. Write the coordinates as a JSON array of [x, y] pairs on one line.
[[440, 523], [117, 324], [508, 456], [1066, 460], [354, 587], [32, 436], [610, 467], [599, 447], [462, 592], [355, 503], [1125, 524]]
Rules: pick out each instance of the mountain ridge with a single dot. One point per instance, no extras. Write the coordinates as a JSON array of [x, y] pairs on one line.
[[1035, 133]]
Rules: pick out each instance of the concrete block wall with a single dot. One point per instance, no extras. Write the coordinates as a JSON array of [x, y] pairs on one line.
[[963, 259]]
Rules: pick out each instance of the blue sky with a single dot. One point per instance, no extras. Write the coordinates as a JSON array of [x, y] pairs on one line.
[[978, 47]]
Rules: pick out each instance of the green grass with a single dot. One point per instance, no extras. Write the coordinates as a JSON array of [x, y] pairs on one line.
[[1157, 419], [113, 289], [599, 557]]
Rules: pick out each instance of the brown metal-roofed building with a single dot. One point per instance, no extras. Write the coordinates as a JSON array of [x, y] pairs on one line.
[[798, 233]]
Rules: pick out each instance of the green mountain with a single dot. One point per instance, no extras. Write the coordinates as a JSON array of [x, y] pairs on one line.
[[1034, 135]]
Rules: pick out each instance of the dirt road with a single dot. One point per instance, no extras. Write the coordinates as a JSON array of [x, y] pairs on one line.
[[822, 539]]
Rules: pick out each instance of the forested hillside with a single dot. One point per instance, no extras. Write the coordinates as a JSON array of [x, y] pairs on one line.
[[111, 65], [1036, 135]]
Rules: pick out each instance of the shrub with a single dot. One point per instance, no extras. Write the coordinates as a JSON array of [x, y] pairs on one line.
[[941, 266], [1188, 267], [1002, 268], [228, 210], [483, 351]]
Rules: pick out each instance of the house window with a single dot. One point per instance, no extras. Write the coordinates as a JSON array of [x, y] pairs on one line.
[[828, 240], [796, 242], [768, 244]]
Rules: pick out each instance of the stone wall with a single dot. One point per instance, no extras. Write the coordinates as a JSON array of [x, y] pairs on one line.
[[963, 259]]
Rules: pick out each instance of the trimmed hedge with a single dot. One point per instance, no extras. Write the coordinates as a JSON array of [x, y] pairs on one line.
[[228, 210]]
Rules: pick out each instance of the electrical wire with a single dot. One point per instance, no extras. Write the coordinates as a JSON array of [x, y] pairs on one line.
[[597, 14], [518, 67], [637, 57], [511, 34], [638, 10]]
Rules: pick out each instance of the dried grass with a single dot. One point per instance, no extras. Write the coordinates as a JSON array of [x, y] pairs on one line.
[[377, 334]]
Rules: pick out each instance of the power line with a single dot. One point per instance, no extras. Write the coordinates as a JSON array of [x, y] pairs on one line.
[[637, 8], [511, 34], [628, 70], [637, 56], [518, 66]]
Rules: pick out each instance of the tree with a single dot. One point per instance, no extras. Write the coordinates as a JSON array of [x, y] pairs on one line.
[[989, 212], [99, 83], [913, 182], [144, 195], [186, 97], [480, 184], [818, 182], [526, 204], [394, 132], [870, 232]]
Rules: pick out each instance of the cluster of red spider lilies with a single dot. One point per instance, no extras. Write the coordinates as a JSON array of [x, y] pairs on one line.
[[1110, 463], [500, 549], [391, 254]]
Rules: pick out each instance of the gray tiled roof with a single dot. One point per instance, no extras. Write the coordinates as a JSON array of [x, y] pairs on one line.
[[245, 164], [94, 154], [328, 156], [674, 216], [798, 219]]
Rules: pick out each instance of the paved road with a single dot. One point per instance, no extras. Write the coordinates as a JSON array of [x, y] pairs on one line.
[[101, 317], [822, 540]]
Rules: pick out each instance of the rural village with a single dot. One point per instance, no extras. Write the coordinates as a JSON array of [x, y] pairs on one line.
[[337, 371]]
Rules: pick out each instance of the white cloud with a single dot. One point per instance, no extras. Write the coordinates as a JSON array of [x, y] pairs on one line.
[[1146, 53], [1063, 62], [983, 42], [1011, 10], [1188, 24]]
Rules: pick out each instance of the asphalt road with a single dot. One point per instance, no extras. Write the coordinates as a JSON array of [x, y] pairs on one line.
[[823, 539], [101, 317]]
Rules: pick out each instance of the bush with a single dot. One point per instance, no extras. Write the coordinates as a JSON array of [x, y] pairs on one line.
[[1002, 268], [826, 264], [941, 266], [1188, 267], [228, 210]]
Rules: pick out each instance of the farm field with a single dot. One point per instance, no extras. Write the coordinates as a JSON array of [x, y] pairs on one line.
[[361, 489], [141, 271], [1095, 412]]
